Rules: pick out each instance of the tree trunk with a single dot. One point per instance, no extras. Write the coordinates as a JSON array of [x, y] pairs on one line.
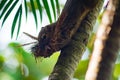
[[107, 44], [72, 52]]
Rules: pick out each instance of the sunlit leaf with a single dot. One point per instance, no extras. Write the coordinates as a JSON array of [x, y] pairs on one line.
[[48, 62], [91, 42], [81, 70], [53, 8], [2, 60], [26, 10], [100, 17], [45, 3], [58, 7], [3, 2], [19, 23], [34, 12], [6, 7], [9, 11], [117, 70], [14, 21]]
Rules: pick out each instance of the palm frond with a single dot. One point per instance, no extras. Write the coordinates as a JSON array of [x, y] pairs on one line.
[[15, 20], [3, 2], [19, 23], [26, 10], [34, 12], [53, 8], [58, 7], [7, 6], [47, 8], [9, 11]]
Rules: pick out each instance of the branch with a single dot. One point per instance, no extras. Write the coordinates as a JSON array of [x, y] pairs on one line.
[[107, 45]]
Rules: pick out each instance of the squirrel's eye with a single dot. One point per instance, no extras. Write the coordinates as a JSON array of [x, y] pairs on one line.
[[44, 36]]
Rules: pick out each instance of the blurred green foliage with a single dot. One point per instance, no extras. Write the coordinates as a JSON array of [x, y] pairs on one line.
[[18, 64], [117, 71], [81, 70], [21, 65], [91, 42]]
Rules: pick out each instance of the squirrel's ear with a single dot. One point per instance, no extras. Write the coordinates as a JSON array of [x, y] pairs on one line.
[[30, 36]]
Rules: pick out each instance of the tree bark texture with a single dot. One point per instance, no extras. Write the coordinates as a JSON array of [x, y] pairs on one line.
[[72, 52], [107, 44]]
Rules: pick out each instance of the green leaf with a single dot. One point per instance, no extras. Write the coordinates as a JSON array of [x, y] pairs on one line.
[[34, 12], [117, 70], [91, 42], [48, 62], [100, 17], [2, 60], [3, 2], [9, 11], [6, 7], [26, 9], [40, 9], [53, 8], [19, 23], [45, 3], [81, 70], [14, 21], [58, 7]]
